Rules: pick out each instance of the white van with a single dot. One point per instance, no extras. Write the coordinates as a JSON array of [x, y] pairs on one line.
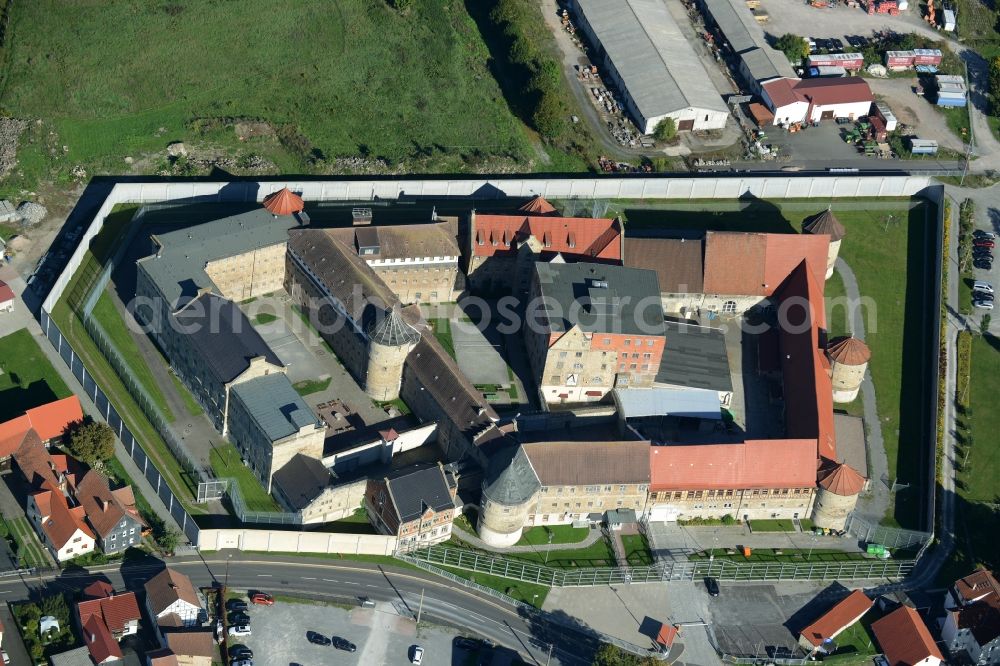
[[979, 285]]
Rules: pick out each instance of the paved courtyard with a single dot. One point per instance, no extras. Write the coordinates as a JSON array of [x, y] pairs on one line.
[[673, 541], [478, 358]]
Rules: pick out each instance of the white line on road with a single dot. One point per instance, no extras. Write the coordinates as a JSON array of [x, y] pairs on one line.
[[263, 575], [307, 578]]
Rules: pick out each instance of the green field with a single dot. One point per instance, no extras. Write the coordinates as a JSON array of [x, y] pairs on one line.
[[637, 551], [310, 386], [28, 379], [121, 339], [227, 464], [529, 593], [887, 247], [781, 555], [442, 331], [412, 89], [539, 536], [772, 526]]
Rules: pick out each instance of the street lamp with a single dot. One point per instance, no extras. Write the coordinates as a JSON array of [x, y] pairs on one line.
[[225, 585], [551, 534]]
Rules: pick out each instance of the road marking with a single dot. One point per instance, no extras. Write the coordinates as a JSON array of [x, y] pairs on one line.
[[307, 578], [329, 580], [263, 575], [347, 582]]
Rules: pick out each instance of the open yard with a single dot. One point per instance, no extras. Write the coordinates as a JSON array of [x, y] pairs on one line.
[[298, 85], [28, 379], [227, 464], [539, 536], [887, 246], [772, 526]]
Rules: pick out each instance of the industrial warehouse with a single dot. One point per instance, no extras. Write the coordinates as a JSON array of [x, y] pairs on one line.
[[655, 68]]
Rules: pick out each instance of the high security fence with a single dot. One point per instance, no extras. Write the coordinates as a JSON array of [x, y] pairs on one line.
[[862, 569], [890, 537]]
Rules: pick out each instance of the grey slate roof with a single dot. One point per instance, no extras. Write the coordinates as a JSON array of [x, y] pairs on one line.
[[638, 403], [392, 331], [275, 405], [736, 26], [223, 336], [766, 63], [678, 262], [696, 357], [302, 480], [76, 657], [415, 489], [654, 59], [403, 241], [601, 298], [179, 271], [509, 478]]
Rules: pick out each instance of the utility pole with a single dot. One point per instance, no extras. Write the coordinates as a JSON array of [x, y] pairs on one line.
[[549, 659], [225, 585], [420, 608]]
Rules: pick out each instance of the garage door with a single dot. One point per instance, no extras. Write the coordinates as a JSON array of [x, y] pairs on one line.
[[827, 115], [685, 125]]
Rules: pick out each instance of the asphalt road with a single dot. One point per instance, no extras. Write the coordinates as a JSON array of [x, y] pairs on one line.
[[325, 580]]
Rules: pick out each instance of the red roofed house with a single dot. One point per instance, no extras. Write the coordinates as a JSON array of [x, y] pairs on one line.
[[905, 639], [48, 421], [6, 297], [830, 624], [811, 100], [972, 624], [502, 248], [107, 619]]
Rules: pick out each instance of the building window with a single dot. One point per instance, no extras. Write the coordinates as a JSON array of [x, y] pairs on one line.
[[649, 343], [729, 307], [607, 341], [628, 342]]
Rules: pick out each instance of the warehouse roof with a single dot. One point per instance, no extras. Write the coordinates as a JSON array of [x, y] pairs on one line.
[[601, 298], [696, 357], [653, 58], [677, 262], [275, 405], [178, 269], [734, 24], [765, 463], [643, 402], [764, 64]]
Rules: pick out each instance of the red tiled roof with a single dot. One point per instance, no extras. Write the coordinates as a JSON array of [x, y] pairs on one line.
[[115, 611], [764, 463], [98, 590], [842, 615], [849, 351], [841, 479], [784, 252], [162, 657], [168, 586], [103, 507], [13, 433], [781, 92], [820, 92], [741, 263], [283, 202], [979, 593], [6, 293], [191, 643], [976, 585], [49, 421], [826, 222], [904, 638], [538, 206], [571, 236], [100, 642], [667, 634], [62, 522], [37, 465]]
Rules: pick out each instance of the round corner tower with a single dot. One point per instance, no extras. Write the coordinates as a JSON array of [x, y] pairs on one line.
[[837, 492], [848, 362], [826, 223], [509, 489], [390, 340]]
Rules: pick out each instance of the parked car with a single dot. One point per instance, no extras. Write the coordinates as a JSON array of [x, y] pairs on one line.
[[466, 643], [979, 233], [836, 45], [983, 242], [366, 602], [344, 644], [983, 263], [982, 296], [416, 654], [240, 652], [242, 662], [982, 305], [712, 586], [239, 630], [262, 599], [981, 252], [239, 618], [236, 605], [317, 638], [979, 285]]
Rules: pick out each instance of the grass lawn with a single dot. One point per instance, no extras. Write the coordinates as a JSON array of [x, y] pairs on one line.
[[539, 536], [442, 331], [855, 645], [529, 593], [227, 464], [447, 113], [637, 551], [836, 313], [957, 119], [265, 318], [114, 469], [398, 403], [772, 526], [598, 554], [310, 386], [30, 551], [806, 524], [194, 409], [7, 231], [111, 321], [28, 379]]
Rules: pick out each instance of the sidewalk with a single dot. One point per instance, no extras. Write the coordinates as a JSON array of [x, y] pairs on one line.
[[21, 318]]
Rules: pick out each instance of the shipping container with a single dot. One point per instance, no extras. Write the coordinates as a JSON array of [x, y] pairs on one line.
[[885, 113], [926, 57], [899, 59], [923, 147], [949, 20], [826, 71], [845, 60], [951, 101]]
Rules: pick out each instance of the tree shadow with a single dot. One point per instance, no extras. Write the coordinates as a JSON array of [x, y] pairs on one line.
[[567, 636]]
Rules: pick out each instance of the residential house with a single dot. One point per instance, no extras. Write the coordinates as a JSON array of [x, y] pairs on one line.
[[592, 327], [6, 297], [905, 639], [819, 635], [111, 513], [161, 657], [415, 504], [76, 657], [49, 422], [172, 602], [972, 623], [105, 618], [192, 648]]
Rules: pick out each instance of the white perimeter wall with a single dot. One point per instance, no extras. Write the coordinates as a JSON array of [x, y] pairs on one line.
[[281, 541]]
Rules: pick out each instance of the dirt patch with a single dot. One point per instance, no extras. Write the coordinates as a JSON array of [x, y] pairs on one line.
[[10, 133], [252, 129]]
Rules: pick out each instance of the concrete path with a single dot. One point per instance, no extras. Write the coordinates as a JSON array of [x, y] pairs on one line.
[[875, 502], [592, 537]]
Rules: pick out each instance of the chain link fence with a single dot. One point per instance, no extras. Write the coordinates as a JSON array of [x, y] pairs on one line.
[[890, 537]]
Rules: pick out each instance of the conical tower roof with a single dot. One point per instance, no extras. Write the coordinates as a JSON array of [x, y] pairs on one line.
[[849, 351], [538, 206], [392, 331], [825, 223], [841, 479], [283, 202], [510, 479]]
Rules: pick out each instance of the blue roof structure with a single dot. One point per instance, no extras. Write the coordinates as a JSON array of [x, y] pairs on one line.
[[695, 403], [275, 406]]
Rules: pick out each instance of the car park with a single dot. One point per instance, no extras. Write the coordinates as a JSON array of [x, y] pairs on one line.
[[240, 630], [239, 618], [261, 599], [416, 655], [983, 242], [979, 285], [236, 605], [317, 638], [240, 652], [979, 233], [712, 586], [983, 263], [836, 45], [982, 305], [343, 644]]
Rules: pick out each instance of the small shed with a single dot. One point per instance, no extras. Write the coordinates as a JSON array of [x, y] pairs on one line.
[[761, 114], [923, 146], [616, 518]]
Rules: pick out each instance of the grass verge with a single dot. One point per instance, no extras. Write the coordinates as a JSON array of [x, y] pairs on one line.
[[30, 551], [442, 331], [539, 536], [772, 526], [637, 552], [310, 386], [226, 463], [528, 593], [781, 555], [28, 379]]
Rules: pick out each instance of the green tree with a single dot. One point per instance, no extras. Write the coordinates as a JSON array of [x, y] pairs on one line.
[[995, 85], [665, 130], [400, 4], [984, 324], [611, 655], [794, 47], [92, 442], [549, 116], [168, 539]]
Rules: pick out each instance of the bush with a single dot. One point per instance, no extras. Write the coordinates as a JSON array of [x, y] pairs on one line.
[[666, 130], [995, 85], [92, 442], [794, 47]]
